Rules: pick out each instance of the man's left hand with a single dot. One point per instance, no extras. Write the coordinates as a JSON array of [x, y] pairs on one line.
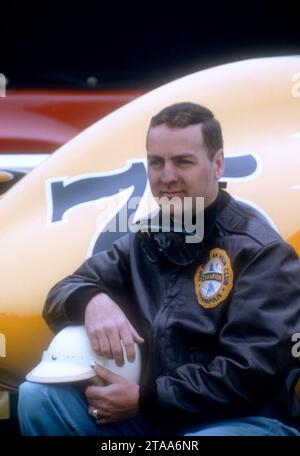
[[116, 401]]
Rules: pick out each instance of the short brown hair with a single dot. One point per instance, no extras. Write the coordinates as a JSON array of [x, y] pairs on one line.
[[181, 115]]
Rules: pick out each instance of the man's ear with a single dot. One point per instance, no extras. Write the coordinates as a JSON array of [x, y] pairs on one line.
[[218, 164]]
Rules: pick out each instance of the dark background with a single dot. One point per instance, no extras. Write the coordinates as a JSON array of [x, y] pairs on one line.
[[127, 45]]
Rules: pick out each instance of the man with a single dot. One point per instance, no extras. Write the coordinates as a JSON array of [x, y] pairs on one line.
[[214, 319]]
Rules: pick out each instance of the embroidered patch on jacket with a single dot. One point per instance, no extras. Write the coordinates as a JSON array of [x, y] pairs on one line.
[[214, 280]]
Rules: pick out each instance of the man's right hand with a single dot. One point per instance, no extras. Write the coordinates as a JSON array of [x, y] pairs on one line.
[[106, 326]]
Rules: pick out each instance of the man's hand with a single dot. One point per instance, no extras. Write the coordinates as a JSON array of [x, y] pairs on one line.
[[116, 401], [106, 326]]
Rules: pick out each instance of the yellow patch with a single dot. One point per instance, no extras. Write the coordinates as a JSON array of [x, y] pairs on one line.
[[214, 280]]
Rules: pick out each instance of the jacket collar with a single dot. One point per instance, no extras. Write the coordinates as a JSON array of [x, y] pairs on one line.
[[211, 212]]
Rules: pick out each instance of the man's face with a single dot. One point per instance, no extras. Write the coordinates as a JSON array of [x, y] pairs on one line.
[[179, 166]]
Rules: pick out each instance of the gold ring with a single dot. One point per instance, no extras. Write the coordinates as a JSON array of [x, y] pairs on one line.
[[96, 414]]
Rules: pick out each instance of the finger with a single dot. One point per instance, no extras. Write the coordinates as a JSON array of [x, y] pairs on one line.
[[103, 414], [107, 375], [105, 348], [128, 342], [136, 336], [94, 341], [97, 381], [116, 348], [92, 407], [100, 344], [106, 421], [94, 392], [95, 404]]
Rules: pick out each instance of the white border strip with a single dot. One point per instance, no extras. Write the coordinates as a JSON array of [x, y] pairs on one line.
[[21, 160]]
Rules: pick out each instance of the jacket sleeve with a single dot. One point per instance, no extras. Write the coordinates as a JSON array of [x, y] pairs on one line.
[[103, 272], [254, 355]]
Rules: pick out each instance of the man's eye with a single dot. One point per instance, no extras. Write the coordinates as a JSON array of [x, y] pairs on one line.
[[185, 162], [155, 162]]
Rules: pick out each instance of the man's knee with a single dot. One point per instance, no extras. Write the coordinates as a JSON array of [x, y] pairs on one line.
[[32, 395]]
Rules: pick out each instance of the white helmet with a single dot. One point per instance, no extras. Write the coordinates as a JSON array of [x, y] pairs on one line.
[[70, 358]]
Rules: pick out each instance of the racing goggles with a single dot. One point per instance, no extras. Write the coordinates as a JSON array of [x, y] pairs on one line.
[[157, 242]]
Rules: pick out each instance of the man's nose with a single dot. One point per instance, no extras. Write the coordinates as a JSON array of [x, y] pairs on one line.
[[169, 174]]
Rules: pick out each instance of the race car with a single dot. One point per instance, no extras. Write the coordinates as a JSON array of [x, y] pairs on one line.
[[34, 123]]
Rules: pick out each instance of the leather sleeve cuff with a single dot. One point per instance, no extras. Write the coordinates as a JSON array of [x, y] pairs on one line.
[[77, 302]]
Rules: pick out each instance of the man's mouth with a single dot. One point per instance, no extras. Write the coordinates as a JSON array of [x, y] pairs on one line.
[[172, 193]]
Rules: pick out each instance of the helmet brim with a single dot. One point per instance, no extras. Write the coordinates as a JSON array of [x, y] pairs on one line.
[[59, 372]]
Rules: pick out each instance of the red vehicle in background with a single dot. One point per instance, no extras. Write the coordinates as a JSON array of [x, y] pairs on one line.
[[34, 123]]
